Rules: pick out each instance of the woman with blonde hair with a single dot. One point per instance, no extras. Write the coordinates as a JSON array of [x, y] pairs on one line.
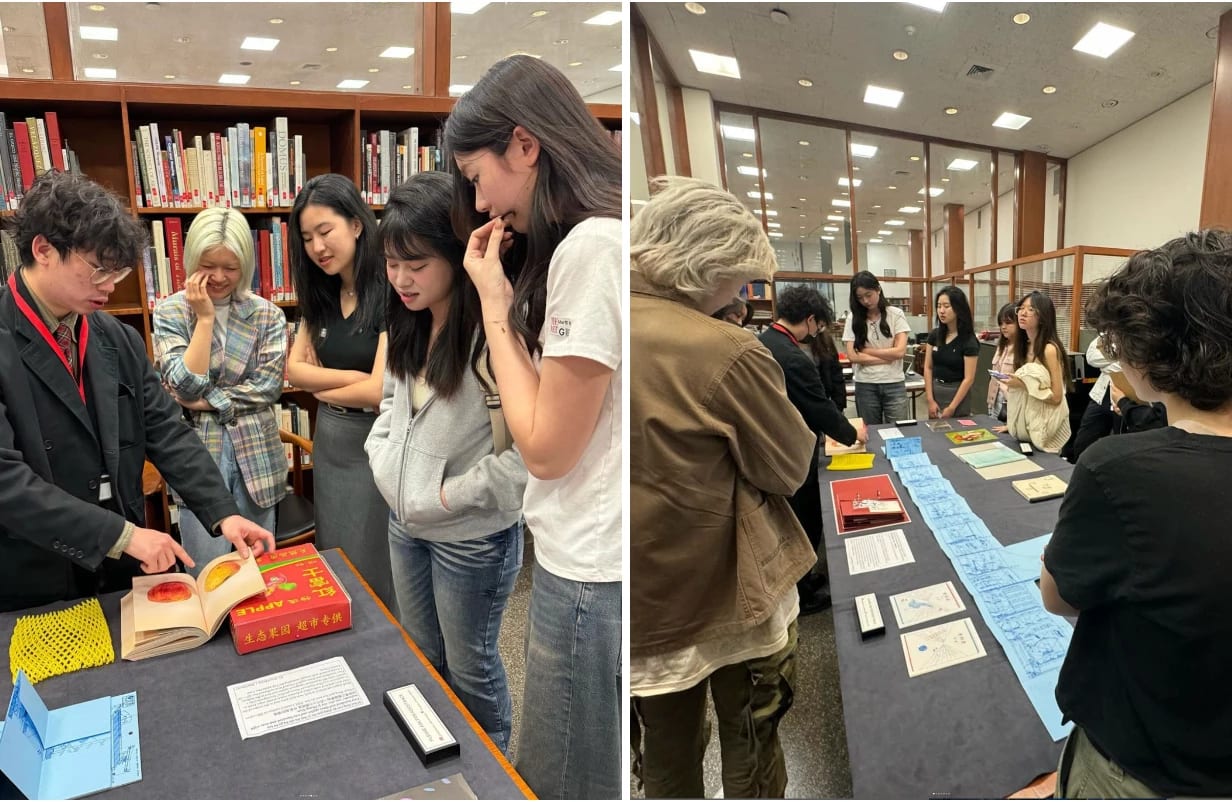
[[221, 351], [715, 550]]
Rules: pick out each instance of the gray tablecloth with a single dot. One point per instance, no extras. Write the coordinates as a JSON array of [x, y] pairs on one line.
[[191, 747], [964, 731]]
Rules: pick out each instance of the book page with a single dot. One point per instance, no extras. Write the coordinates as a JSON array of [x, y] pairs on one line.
[[225, 582], [874, 552], [925, 604], [165, 601], [294, 697], [941, 646]]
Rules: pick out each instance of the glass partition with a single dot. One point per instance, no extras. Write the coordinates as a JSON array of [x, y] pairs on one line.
[[960, 193], [23, 41], [1007, 173]]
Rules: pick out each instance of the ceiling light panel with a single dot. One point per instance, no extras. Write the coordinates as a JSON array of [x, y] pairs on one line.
[[737, 133], [754, 194], [1103, 40], [843, 182], [105, 73], [398, 52], [258, 43], [714, 64], [459, 89], [1011, 120], [352, 83], [99, 33], [931, 5], [896, 222], [745, 169], [932, 191], [880, 96], [863, 151], [962, 164], [606, 18], [909, 209], [842, 203], [838, 218]]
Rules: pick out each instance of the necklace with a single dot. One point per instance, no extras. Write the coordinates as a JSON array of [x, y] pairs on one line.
[[351, 293]]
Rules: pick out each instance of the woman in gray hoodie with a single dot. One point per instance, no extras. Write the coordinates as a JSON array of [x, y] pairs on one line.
[[455, 498]]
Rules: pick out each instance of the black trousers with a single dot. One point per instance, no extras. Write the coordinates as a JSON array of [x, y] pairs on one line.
[[806, 504]]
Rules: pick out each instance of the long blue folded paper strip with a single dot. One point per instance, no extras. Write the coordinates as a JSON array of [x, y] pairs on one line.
[[72, 751], [903, 447]]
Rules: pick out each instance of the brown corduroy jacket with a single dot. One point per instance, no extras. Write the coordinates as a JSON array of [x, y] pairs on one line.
[[716, 446]]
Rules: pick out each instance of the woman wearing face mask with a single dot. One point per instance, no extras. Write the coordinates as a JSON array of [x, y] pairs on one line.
[[950, 357], [339, 356], [876, 338], [527, 152], [221, 351], [455, 537]]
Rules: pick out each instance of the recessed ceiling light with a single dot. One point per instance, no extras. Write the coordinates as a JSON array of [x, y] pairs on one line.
[[891, 187], [844, 193], [1103, 40], [539, 13], [804, 178], [97, 7], [943, 178], [99, 33], [901, 55], [100, 56], [1049, 90], [932, 191], [407, 86], [951, 110], [804, 200], [352, 83], [168, 76], [695, 8], [398, 52], [715, 64], [744, 169], [234, 78], [803, 143], [842, 203], [93, 72], [755, 195], [560, 41], [617, 68], [857, 169], [258, 43], [183, 40], [863, 151], [827, 238], [459, 89], [737, 132], [838, 218], [803, 215], [875, 241], [331, 50], [886, 233], [915, 158], [962, 164], [829, 228], [771, 213], [1011, 120], [910, 209], [28, 70], [575, 63], [460, 57], [876, 205], [932, 5], [843, 182], [801, 228], [896, 222], [805, 82], [776, 234], [8, 29], [606, 18], [880, 96], [295, 83], [374, 69], [774, 225], [276, 20], [466, 6]]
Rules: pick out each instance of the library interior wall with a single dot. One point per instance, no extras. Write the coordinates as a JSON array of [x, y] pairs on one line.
[[639, 188], [1143, 185], [665, 127], [699, 124]]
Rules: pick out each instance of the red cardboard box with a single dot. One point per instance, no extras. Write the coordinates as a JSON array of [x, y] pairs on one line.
[[302, 599]]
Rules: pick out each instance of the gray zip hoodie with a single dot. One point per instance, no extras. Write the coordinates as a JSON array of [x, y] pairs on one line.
[[448, 443]]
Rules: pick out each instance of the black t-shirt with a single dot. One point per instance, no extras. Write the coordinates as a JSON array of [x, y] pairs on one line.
[[1143, 549], [948, 357], [341, 345]]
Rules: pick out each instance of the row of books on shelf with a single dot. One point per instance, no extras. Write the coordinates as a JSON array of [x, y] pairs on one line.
[[244, 167], [391, 157], [28, 149], [165, 272], [294, 418], [758, 291]]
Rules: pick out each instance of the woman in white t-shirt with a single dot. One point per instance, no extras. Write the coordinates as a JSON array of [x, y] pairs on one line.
[[527, 152], [876, 338]]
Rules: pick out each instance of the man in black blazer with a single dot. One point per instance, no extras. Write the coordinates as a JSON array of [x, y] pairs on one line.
[[81, 408], [803, 314]]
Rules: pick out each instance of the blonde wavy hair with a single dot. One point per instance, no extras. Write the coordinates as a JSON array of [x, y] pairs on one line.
[[225, 227], [693, 236]]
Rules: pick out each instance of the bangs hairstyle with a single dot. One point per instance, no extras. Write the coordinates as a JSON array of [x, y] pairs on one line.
[[692, 237], [1167, 312], [225, 227], [864, 280], [579, 169], [319, 293], [1008, 314], [962, 311], [416, 225], [75, 214]]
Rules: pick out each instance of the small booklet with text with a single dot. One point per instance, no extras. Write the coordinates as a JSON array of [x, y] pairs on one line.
[[169, 613], [1041, 488]]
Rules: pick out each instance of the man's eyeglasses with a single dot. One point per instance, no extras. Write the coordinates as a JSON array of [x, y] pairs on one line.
[[102, 275]]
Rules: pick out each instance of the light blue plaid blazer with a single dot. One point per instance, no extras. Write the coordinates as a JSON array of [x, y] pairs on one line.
[[244, 386]]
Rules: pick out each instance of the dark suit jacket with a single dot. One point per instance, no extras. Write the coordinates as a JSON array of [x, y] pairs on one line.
[[54, 535], [805, 390]]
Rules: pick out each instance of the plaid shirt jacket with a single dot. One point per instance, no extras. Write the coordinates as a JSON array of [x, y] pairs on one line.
[[243, 386]]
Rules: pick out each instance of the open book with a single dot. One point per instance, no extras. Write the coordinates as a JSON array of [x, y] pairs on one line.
[[173, 612]]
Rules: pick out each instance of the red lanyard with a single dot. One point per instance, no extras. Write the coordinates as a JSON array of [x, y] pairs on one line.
[[785, 331], [37, 321]]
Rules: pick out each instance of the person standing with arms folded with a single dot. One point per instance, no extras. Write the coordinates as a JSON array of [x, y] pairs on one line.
[[222, 352], [526, 151], [455, 533], [950, 356], [81, 408], [339, 356], [876, 338]]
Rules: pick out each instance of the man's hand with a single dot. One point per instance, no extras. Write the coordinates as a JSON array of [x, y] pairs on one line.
[[243, 534], [156, 550]]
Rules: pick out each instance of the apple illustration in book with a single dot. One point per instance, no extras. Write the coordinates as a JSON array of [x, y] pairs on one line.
[[167, 592], [221, 573], [277, 582]]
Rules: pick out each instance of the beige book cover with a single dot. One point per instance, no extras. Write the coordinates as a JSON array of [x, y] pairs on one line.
[[1040, 488], [169, 613], [835, 447]]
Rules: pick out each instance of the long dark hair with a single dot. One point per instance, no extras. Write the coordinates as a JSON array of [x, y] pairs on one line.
[[1047, 333], [417, 225], [962, 310], [1008, 314], [864, 280], [579, 169], [318, 293]]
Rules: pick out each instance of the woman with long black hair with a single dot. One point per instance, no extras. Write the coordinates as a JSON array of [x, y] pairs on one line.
[[876, 338], [951, 356]]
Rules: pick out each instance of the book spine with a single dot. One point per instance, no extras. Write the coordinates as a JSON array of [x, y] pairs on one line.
[[385, 177], [232, 147], [196, 175], [36, 149], [160, 257], [175, 250], [258, 167], [414, 150], [176, 181], [45, 145], [25, 155], [151, 289], [156, 159], [288, 290], [53, 138], [138, 195], [18, 186], [168, 179], [11, 179], [301, 165], [220, 171], [150, 166], [267, 276], [284, 170]]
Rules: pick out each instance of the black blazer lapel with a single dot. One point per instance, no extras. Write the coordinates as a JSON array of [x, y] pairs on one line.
[[103, 387], [46, 365]]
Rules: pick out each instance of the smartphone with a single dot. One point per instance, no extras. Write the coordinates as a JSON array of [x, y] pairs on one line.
[[998, 375]]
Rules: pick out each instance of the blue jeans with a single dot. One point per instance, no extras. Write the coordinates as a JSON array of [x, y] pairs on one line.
[[451, 599], [882, 403], [197, 540], [569, 746]]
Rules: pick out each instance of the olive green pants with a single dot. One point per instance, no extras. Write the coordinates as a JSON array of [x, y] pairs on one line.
[[1090, 775], [670, 732]]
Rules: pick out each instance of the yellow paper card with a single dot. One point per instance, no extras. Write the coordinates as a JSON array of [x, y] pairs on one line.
[[850, 462]]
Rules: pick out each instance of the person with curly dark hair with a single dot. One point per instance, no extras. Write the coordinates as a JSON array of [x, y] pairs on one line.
[[1139, 554], [81, 408]]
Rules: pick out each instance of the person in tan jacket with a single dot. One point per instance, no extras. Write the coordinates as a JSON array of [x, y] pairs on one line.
[[715, 550]]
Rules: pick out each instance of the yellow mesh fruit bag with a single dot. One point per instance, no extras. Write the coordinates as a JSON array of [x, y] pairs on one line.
[[50, 644]]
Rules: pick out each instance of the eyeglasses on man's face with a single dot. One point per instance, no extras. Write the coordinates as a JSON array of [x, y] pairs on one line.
[[102, 275]]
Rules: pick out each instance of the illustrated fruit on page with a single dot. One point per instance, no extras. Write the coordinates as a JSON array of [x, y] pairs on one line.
[[221, 573], [167, 592]]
